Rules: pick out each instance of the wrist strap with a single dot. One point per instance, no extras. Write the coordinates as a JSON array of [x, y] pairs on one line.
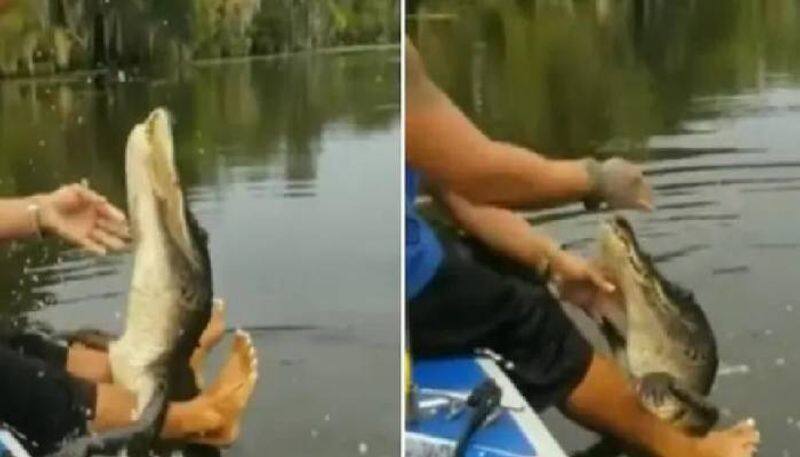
[[593, 200]]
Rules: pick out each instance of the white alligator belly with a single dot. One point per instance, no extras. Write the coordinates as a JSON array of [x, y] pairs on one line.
[[147, 338]]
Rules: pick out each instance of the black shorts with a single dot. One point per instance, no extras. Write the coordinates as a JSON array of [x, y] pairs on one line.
[[476, 301], [39, 401]]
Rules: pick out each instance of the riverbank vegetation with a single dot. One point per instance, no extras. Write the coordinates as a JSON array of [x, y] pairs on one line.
[[598, 75], [45, 36]]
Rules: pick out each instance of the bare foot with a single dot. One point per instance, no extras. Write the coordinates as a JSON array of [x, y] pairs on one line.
[[216, 326], [211, 337], [230, 393], [740, 440]]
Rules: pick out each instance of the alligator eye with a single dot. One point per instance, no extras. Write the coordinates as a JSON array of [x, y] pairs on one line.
[[694, 354]]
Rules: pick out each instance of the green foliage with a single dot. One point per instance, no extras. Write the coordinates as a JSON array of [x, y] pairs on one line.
[[576, 77], [36, 35]]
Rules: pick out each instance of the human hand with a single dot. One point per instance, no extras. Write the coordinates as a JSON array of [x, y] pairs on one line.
[[620, 184], [84, 218], [579, 281]]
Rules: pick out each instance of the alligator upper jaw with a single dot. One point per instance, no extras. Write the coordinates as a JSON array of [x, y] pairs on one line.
[[155, 199], [620, 229]]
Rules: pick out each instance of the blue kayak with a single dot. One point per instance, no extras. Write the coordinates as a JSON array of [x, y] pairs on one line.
[[514, 431]]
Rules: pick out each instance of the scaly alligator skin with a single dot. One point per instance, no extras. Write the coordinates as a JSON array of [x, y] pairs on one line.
[[663, 340]]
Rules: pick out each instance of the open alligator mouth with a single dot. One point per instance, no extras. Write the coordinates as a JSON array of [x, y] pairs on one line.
[[665, 339], [151, 173], [621, 243]]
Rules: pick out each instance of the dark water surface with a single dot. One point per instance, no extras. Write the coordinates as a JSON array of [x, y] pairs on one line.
[[292, 166], [707, 95]]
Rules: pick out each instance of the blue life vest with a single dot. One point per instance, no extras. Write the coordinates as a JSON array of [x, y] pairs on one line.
[[423, 250]]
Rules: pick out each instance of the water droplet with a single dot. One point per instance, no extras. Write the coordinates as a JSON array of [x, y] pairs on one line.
[[363, 448], [42, 143], [327, 418], [780, 361]]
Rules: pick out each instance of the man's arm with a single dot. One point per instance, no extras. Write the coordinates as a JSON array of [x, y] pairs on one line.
[[453, 153], [73, 212], [508, 234]]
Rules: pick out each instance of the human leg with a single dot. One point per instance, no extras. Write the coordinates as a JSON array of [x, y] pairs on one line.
[[92, 364], [604, 401], [211, 418], [469, 305]]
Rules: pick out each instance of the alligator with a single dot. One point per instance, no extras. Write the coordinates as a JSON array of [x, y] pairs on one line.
[[659, 336], [663, 340], [170, 297]]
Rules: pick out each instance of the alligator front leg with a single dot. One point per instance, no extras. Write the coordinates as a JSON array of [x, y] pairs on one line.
[[137, 438], [669, 399]]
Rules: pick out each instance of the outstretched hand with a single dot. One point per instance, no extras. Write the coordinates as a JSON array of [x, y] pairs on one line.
[[84, 218]]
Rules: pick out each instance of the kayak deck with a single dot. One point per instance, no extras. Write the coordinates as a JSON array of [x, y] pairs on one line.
[[516, 432]]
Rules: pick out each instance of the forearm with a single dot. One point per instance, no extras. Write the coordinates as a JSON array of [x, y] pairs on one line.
[[453, 154], [501, 230], [516, 177], [443, 144], [17, 219]]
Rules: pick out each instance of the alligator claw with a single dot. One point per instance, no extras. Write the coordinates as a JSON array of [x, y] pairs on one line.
[[654, 388]]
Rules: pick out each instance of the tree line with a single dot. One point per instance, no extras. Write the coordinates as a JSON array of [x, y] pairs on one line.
[[45, 36]]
